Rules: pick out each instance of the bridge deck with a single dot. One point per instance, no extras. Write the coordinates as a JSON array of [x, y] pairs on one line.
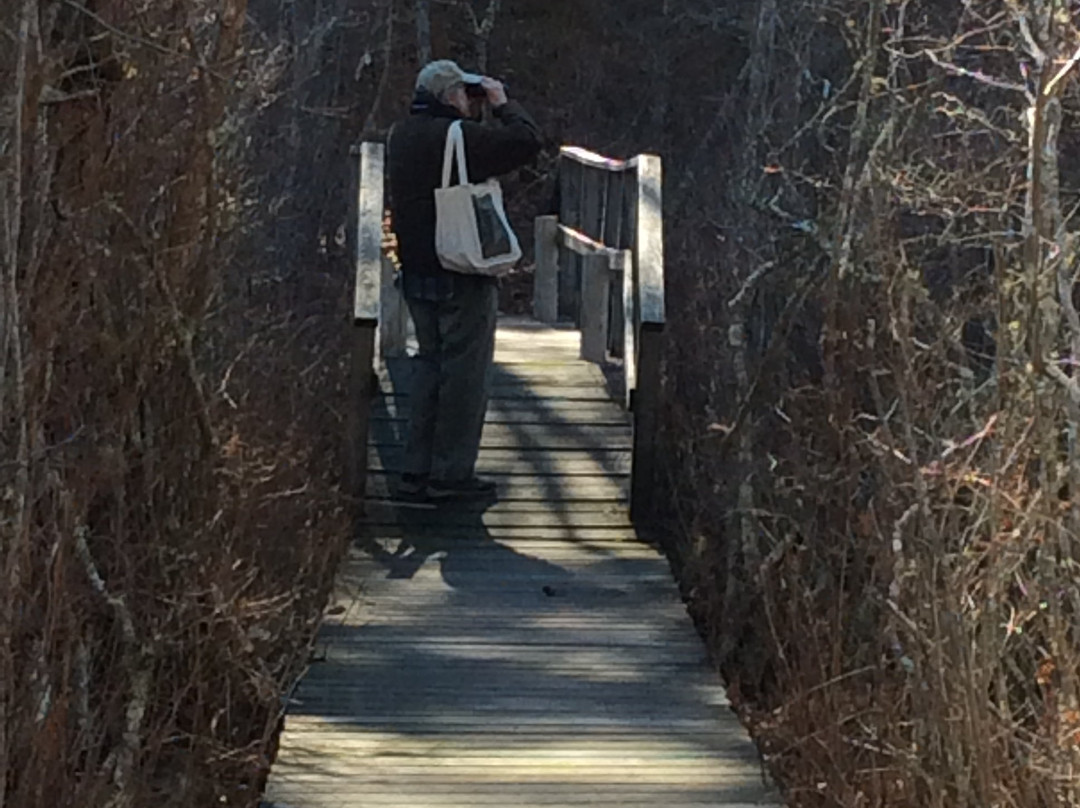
[[533, 654]]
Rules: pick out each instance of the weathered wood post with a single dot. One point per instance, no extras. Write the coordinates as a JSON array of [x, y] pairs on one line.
[[546, 276], [595, 289], [649, 275], [628, 337], [593, 192], [365, 317], [569, 261], [614, 236]]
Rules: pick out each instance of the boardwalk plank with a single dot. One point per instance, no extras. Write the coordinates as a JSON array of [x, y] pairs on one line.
[[558, 462], [536, 437], [597, 539], [531, 489], [529, 653]]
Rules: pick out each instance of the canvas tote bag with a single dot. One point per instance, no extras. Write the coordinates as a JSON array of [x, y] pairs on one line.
[[472, 234]]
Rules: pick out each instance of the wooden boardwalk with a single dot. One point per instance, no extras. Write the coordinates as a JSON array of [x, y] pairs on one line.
[[533, 654]]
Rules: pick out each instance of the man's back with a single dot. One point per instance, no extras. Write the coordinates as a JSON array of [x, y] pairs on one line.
[[416, 151]]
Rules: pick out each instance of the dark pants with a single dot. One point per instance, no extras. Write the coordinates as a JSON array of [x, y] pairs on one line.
[[451, 381]]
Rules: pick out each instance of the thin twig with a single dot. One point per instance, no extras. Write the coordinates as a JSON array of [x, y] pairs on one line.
[[975, 75], [133, 38], [1067, 68], [749, 283]]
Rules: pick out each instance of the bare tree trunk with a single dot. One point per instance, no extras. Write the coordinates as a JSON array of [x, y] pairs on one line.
[[744, 555], [11, 551], [388, 56], [482, 28], [423, 31]]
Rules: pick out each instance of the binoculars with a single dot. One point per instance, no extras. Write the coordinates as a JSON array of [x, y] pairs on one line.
[[478, 91]]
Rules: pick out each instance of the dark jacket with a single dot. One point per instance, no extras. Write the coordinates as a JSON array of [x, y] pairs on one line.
[[415, 156]]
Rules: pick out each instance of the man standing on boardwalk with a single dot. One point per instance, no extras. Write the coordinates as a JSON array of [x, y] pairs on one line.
[[454, 314]]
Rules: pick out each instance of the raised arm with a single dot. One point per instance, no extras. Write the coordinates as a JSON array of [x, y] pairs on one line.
[[512, 142]]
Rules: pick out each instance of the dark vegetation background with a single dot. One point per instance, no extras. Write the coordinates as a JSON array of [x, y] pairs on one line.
[[872, 417]]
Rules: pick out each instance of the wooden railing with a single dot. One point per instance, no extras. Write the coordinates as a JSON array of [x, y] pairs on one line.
[[367, 310], [599, 264]]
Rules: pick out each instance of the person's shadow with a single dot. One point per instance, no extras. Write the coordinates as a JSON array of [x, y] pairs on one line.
[[455, 535]]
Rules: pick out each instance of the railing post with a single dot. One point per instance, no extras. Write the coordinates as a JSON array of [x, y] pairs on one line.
[[593, 191], [650, 317], [615, 238], [649, 239], [595, 290], [570, 177], [646, 398], [366, 306], [628, 335], [546, 277]]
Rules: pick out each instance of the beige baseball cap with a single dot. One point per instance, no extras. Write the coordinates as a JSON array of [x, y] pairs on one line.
[[438, 77]]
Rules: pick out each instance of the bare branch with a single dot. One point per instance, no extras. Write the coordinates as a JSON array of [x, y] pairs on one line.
[[749, 283], [1068, 383], [975, 75], [129, 37], [423, 31], [388, 53], [1062, 74], [1033, 48], [135, 656]]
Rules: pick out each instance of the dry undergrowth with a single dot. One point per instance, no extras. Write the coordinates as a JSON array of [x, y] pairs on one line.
[[881, 533], [170, 411]]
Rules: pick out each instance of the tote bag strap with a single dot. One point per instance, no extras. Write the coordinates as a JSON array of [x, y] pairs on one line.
[[455, 147]]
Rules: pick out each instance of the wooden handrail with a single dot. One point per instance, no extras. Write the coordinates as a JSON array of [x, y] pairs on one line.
[[588, 158], [600, 263], [582, 244]]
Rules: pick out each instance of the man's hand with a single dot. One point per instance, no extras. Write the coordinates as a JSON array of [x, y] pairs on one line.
[[495, 90]]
